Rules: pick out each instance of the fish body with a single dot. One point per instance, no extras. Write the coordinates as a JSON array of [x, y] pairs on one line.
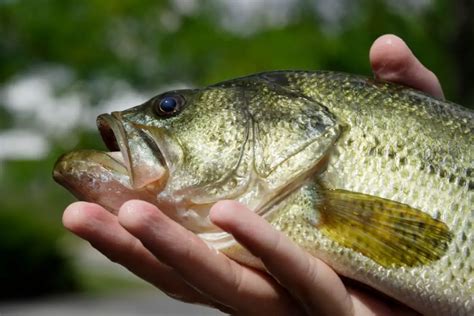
[[374, 178]]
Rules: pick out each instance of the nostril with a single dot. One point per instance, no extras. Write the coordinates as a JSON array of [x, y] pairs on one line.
[[107, 133]]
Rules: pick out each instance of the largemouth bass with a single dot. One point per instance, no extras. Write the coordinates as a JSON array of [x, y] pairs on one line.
[[374, 178]]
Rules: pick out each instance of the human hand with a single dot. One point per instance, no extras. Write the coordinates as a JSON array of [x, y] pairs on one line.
[[392, 60], [162, 252]]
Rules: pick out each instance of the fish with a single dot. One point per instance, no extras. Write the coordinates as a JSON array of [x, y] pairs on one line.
[[374, 178]]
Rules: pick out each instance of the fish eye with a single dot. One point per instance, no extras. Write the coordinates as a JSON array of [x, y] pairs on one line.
[[168, 105]]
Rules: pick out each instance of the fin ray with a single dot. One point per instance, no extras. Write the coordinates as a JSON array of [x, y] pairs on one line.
[[391, 233]]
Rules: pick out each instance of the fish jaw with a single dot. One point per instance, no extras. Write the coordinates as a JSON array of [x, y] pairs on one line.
[[141, 156], [133, 169], [98, 177]]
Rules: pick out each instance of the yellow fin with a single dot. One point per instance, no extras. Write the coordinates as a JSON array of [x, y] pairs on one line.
[[390, 233]]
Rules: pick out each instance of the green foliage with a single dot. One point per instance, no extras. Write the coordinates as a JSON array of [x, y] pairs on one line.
[[31, 263], [129, 40]]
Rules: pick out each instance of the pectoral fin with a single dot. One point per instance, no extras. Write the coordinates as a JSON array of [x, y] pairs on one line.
[[391, 233]]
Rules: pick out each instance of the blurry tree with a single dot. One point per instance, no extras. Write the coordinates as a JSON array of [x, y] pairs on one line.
[[153, 44]]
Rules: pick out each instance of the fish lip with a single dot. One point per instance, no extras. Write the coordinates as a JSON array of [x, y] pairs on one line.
[[107, 127], [115, 137]]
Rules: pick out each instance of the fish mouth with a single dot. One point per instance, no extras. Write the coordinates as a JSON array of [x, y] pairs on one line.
[[104, 123], [135, 150]]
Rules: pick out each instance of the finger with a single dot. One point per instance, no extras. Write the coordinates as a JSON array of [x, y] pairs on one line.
[[370, 302], [310, 279], [392, 60], [101, 228], [231, 284]]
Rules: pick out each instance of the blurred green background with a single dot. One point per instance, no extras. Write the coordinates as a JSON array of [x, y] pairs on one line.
[[62, 62]]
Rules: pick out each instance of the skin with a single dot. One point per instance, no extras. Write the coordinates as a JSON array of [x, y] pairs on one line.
[[160, 251]]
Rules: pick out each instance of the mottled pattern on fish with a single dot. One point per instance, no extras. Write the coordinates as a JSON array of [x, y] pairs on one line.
[[404, 146], [374, 178]]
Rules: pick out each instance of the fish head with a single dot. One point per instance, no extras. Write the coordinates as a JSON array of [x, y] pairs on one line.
[[250, 140]]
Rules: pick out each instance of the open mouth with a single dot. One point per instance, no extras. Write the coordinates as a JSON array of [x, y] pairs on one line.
[[106, 132], [110, 130], [144, 169]]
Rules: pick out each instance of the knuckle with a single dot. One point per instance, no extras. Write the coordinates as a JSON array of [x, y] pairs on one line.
[[125, 253], [134, 248], [312, 270], [308, 277], [275, 242], [187, 250], [238, 281]]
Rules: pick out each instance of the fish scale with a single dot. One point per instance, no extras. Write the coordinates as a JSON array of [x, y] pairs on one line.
[[378, 176], [373, 178]]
